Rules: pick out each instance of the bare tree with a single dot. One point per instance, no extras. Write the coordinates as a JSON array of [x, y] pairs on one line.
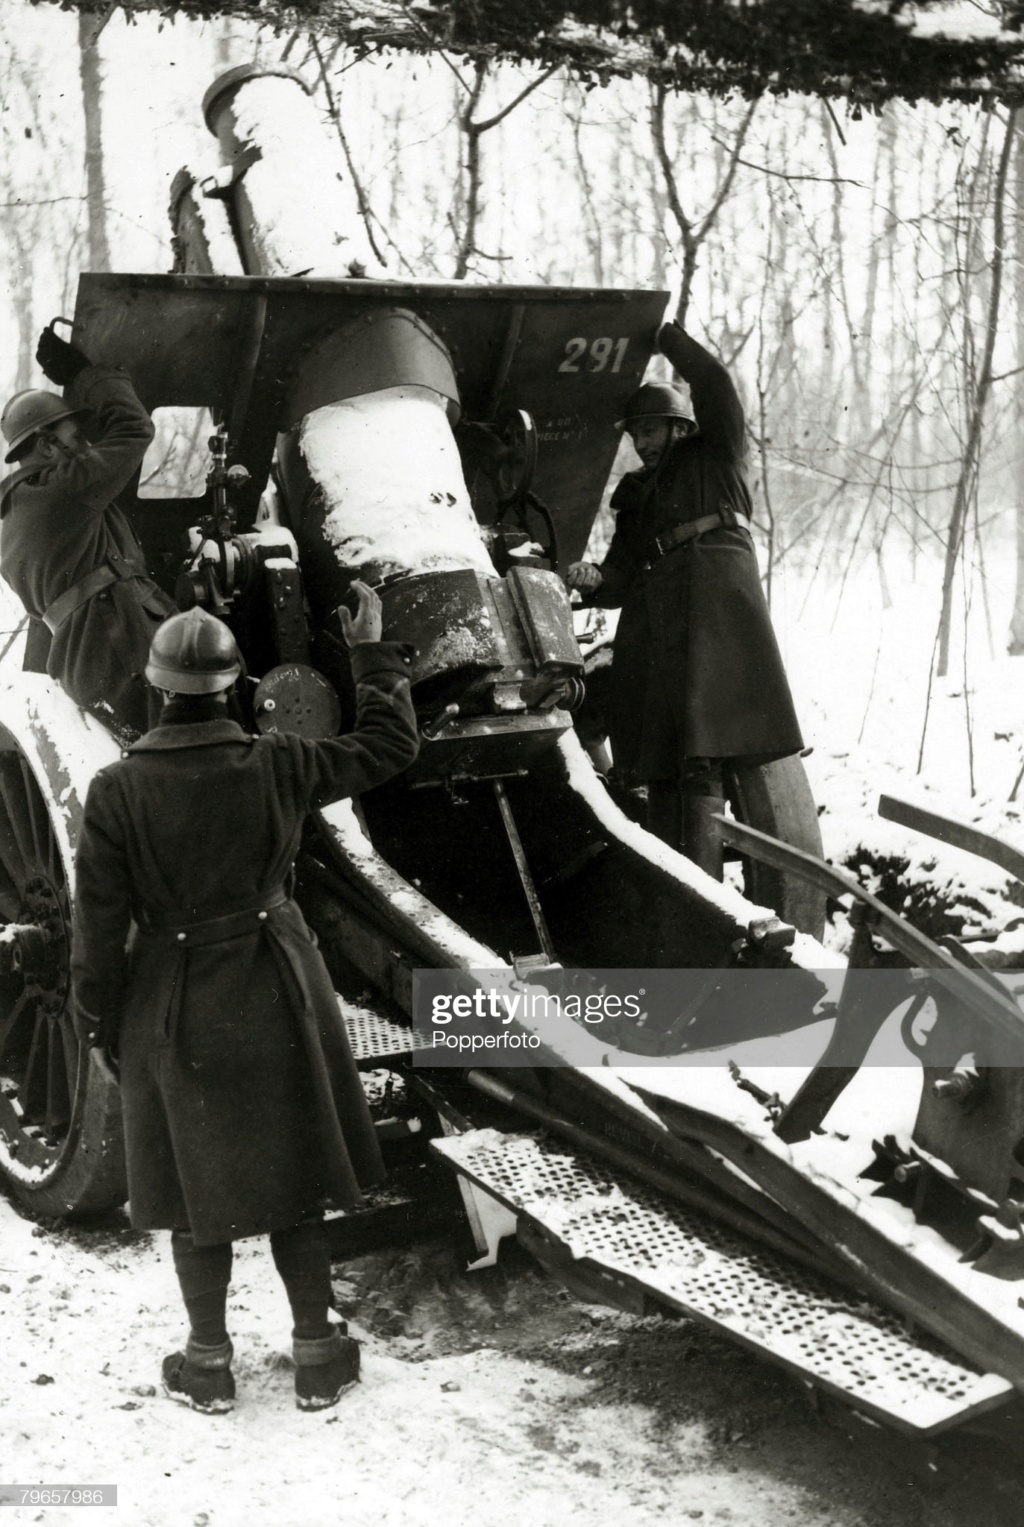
[[693, 231], [470, 200], [91, 77], [1016, 643], [978, 400]]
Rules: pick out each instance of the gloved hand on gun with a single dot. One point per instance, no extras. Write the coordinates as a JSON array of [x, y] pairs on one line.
[[585, 576], [59, 360]]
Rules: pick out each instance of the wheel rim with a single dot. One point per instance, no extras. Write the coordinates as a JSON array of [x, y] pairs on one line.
[[39, 1054], [776, 798]]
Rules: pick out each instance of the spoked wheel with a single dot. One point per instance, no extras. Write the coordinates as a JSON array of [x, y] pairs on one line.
[[60, 1132]]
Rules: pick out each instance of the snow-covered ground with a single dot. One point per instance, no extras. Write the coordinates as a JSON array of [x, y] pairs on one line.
[[483, 1437], [859, 655]]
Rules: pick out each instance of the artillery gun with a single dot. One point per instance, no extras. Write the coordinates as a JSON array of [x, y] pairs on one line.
[[421, 436], [449, 443]]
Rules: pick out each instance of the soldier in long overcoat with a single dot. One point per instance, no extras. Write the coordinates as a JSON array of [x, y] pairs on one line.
[[66, 548], [697, 677], [243, 1111]]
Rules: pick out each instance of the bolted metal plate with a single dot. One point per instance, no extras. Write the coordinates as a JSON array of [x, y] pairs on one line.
[[838, 1342], [296, 698], [372, 1037], [572, 357]]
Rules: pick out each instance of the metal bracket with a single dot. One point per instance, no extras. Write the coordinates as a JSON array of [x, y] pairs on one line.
[[994, 1006], [957, 834]]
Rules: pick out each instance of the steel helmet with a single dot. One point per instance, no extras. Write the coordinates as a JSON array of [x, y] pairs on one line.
[[193, 654], [656, 400], [28, 412]]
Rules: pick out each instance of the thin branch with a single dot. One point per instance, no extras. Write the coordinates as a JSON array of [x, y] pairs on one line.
[[499, 116], [730, 174], [430, 44], [787, 175], [692, 236], [332, 106], [42, 201], [834, 120]]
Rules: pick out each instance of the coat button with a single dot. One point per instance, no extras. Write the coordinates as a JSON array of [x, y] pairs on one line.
[[181, 938], [262, 917]]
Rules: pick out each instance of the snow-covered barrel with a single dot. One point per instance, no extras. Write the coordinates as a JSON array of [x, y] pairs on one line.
[[367, 455], [295, 210], [376, 490]]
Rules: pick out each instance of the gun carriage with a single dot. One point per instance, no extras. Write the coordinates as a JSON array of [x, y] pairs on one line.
[[450, 444]]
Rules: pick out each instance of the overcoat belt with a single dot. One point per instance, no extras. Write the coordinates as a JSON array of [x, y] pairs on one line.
[[209, 1100]]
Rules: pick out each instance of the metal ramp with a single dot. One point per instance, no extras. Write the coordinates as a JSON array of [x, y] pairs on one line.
[[374, 1038], [830, 1339]]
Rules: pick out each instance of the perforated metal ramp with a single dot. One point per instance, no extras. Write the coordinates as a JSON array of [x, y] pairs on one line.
[[373, 1037], [842, 1345]]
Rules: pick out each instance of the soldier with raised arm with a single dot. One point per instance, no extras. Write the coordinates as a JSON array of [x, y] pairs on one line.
[[66, 548], [697, 677], [243, 1111]]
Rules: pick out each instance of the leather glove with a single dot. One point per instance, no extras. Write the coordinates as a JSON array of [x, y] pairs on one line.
[[59, 361], [584, 576]]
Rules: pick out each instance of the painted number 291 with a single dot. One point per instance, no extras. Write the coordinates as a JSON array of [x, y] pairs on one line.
[[598, 353]]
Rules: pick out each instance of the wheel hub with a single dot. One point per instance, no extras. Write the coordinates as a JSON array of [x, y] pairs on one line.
[[36, 946]]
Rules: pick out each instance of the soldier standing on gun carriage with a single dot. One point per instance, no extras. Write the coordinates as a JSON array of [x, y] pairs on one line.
[[243, 1111], [697, 678], [66, 549]]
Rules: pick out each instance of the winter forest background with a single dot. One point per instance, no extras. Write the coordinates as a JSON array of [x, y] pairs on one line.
[[862, 273]]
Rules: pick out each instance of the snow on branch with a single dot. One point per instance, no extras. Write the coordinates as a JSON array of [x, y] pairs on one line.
[[867, 51]]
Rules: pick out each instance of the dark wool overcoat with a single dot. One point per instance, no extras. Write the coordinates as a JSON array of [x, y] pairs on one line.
[[697, 671], [243, 1110], [60, 524]]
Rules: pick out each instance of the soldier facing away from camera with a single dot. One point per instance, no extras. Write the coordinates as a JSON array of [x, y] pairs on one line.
[[243, 1111], [697, 678]]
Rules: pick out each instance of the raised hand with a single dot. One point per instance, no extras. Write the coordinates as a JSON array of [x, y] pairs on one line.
[[59, 361], [367, 623]]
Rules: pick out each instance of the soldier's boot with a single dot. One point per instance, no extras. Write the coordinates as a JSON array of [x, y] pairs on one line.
[[701, 840], [325, 1366], [201, 1377]]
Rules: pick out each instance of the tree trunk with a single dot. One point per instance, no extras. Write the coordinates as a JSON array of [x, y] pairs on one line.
[[1016, 642], [983, 385], [92, 107]]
